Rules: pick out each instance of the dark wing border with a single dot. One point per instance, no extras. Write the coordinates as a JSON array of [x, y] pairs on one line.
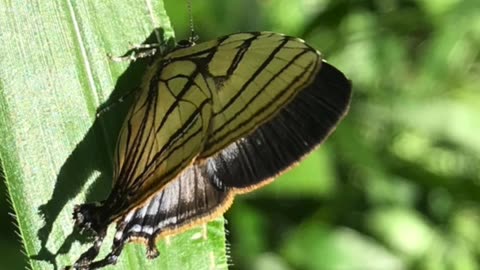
[[295, 131]]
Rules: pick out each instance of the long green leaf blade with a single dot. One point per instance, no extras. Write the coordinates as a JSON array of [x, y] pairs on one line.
[[54, 73]]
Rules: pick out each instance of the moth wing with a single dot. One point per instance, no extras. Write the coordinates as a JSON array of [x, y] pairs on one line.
[[188, 200], [254, 75], [163, 133], [204, 190], [293, 132]]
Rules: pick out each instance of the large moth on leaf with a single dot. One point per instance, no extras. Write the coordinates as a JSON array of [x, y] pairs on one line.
[[211, 121]]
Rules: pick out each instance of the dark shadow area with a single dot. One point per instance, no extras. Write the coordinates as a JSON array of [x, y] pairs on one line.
[[93, 153], [9, 233]]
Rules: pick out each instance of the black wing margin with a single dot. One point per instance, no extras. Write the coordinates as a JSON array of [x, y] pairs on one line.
[[296, 130]]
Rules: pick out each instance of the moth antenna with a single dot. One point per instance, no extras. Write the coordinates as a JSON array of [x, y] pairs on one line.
[[193, 35]]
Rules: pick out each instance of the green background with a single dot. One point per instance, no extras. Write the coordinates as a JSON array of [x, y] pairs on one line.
[[397, 186]]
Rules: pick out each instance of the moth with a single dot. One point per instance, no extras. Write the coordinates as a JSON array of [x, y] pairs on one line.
[[211, 121]]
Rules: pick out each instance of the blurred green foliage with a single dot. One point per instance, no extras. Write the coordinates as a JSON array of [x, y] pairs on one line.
[[397, 186]]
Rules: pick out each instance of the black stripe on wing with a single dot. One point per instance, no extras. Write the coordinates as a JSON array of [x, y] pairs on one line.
[[300, 126]]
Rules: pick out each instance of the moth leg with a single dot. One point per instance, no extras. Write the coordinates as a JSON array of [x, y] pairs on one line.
[[133, 54], [144, 46], [88, 256], [103, 109], [152, 251], [111, 258], [136, 53]]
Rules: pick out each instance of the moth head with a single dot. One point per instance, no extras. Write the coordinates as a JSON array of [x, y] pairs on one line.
[[88, 217]]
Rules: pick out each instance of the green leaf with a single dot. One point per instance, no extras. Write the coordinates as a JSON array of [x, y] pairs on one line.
[[55, 152]]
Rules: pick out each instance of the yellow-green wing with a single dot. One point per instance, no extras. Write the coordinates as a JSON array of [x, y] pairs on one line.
[[255, 75], [276, 101], [164, 131]]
